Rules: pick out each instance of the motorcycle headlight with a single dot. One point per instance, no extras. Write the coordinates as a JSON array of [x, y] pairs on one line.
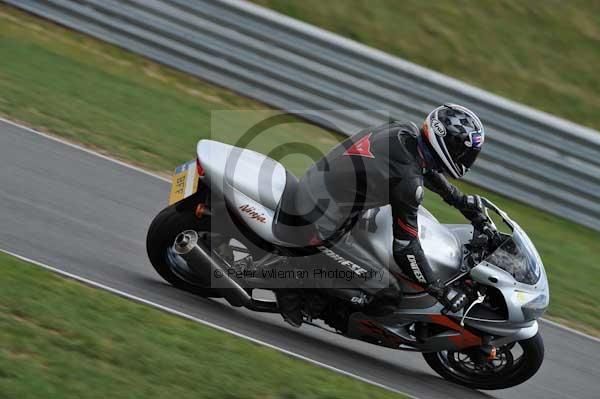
[[534, 309]]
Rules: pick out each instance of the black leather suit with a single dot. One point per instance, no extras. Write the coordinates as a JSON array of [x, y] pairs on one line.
[[373, 168]]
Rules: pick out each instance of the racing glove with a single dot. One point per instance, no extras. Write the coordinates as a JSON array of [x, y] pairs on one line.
[[472, 208], [453, 299]]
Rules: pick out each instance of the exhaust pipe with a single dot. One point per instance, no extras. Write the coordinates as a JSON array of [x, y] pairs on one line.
[[198, 258]]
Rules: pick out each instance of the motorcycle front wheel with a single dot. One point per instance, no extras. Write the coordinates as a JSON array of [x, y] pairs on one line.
[[514, 364]]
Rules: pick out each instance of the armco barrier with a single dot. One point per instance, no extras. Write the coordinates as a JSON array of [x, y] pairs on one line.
[[531, 156]]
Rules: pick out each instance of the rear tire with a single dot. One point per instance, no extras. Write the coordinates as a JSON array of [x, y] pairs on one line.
[[523, 368], [161, 235]]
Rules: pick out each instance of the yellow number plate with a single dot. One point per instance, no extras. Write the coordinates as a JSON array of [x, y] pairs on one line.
[[184, 183]]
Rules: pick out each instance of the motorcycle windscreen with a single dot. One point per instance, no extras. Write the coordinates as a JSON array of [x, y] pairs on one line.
[[518, 256]]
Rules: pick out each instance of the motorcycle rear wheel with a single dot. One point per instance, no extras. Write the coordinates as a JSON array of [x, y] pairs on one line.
[[159, 241], [507, 371]]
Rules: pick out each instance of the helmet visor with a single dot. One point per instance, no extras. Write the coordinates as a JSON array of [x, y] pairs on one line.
[[473, 144], [467, 158]]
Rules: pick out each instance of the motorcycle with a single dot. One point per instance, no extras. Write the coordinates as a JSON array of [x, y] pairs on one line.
[[223, 234]]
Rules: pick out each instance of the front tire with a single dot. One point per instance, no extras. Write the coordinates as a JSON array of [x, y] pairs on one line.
[[161, 235], [515, 371]]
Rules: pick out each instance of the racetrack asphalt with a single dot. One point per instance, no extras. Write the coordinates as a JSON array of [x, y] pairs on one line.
[[88, 216]]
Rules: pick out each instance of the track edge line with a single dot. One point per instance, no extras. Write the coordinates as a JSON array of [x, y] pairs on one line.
[[186, 316], [84, 149]]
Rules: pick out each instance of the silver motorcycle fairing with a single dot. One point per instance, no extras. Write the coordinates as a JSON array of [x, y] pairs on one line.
[[257, 176], [251, 182], [442, 244], [395, 330], [516, 295]]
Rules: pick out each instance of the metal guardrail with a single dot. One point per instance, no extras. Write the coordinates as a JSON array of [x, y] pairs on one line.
[[530, 156]]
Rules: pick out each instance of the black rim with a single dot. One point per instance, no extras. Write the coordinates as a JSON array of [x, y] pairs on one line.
[[472, 366]]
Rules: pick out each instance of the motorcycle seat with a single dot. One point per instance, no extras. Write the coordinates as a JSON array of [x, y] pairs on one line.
[[254, 182]]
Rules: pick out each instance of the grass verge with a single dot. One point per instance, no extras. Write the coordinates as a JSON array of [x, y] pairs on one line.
[[543, 54], [62, 339], [111, 100]]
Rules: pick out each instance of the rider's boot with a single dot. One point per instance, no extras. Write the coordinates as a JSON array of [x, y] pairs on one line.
[[289, 302]]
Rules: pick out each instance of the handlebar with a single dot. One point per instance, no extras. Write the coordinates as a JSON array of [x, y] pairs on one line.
[[486, 237]]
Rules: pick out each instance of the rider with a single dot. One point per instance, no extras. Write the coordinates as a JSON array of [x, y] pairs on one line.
[[390, 164]]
